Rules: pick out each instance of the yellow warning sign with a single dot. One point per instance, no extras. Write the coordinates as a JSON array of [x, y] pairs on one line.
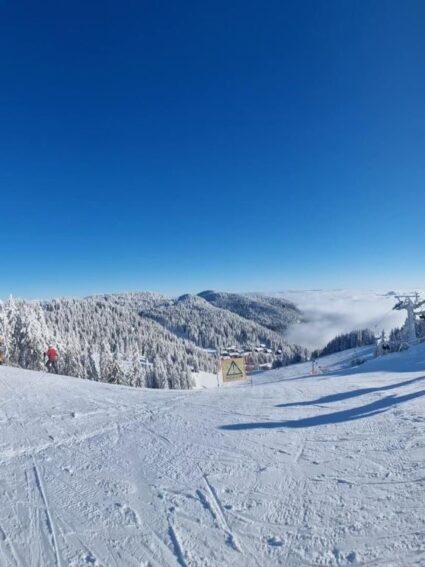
[[233, 369]]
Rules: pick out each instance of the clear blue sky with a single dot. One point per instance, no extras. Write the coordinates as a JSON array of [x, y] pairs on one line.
[[178, 146]]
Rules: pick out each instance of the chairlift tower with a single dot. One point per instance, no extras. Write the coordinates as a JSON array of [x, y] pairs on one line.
[[409, 302]]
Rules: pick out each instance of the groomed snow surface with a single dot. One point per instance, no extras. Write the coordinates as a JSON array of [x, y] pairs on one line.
[[296, 470]]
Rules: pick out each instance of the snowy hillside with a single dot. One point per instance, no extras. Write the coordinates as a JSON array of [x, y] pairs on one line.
[[276, 314], [136, 339], [194, 318], [100, 338], [295, 470]]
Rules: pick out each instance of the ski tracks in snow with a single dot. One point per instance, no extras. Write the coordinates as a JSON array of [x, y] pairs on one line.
[[98, 475], [51, 528], [214, 505], [40, 509]]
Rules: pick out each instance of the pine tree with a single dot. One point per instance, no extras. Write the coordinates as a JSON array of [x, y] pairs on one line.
[[110, 369], [160, 374], [90, 364], [136, 376]]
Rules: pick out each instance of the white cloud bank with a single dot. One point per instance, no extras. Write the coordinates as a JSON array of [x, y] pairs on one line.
[[331, 312]]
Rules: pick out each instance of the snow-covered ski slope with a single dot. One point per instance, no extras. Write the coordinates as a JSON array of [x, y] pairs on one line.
[[296, 470]]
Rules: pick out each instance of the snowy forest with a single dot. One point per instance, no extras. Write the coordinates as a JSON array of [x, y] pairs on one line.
[[137, 339], [345, 341]]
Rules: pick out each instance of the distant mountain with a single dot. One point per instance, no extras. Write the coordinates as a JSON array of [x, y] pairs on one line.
[[276, 314], [195, 319]]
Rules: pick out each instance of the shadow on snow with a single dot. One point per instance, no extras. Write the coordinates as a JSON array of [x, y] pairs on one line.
[[368, 410], [351, 394]]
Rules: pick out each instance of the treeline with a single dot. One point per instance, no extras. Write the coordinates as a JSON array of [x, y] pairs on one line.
[[345, 341]]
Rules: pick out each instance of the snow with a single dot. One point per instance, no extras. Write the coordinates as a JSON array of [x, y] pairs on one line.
[[296, 470], [205, 379]]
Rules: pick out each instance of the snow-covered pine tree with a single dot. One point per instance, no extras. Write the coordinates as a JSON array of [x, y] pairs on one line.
[[159, 373], [90, 364], [70, 360], [110, 370], [136, 375]]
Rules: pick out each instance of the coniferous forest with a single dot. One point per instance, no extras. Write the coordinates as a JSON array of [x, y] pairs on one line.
[[143, 339]]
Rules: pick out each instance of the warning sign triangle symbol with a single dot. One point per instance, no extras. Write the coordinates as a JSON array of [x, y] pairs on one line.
[[234, 370]]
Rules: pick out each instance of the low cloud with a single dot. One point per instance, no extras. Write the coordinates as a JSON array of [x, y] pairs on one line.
[[330, 313]]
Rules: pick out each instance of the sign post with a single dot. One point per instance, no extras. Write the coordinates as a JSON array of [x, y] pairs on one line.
[[233, 369], [218, 367]]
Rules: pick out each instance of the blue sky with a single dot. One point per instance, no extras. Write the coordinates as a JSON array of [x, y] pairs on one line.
[[178, 146]]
